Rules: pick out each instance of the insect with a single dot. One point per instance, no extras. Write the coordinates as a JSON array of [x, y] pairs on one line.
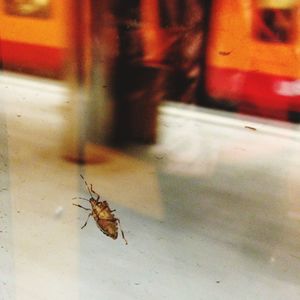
[[102, 214]]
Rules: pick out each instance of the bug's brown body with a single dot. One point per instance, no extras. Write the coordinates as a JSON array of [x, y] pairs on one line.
[[104, 218], [102, 214]]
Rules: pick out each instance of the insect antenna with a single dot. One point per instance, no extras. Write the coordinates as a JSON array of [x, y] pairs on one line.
[[87, 186], [81, 198]]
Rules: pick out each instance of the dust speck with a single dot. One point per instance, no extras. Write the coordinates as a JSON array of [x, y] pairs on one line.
[[250, 127], [58, 211]]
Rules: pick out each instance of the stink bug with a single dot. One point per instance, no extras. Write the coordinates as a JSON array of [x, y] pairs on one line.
[[102, 214]]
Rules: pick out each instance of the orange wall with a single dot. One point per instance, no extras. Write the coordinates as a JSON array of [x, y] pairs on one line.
[[51, 32], [230, 31]]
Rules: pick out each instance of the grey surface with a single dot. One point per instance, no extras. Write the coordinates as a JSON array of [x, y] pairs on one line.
[[210, 212]]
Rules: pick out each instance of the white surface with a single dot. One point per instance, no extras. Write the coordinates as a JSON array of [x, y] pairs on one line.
[[210, 212]]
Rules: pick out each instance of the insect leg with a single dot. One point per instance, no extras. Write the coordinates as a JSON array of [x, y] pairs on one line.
[[98, 196], [81, 206], [86, 221], [122, 232]]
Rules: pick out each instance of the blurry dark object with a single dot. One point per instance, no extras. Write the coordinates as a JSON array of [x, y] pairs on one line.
[[150, 50], [184, 23], [136, 87], [30, 8]]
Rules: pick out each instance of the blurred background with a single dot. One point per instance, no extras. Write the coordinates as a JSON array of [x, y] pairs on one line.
[[184, 115], [241, 56]]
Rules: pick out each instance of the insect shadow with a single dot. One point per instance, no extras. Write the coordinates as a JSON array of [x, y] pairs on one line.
[[102, 214]]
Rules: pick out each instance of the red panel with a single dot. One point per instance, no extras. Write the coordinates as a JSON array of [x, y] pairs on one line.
[[259, 88], [225, 83], [32, 57]]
